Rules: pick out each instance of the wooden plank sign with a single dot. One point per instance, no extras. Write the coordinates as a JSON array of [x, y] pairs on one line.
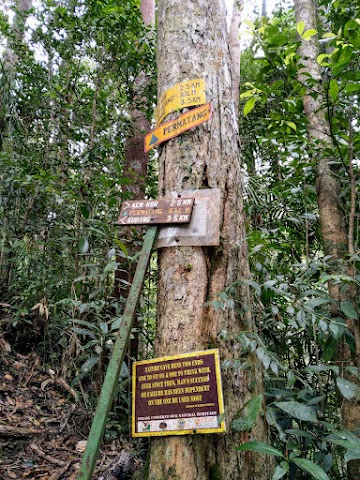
[[178, 395], [181, 95], [175, 127], [161, 211]]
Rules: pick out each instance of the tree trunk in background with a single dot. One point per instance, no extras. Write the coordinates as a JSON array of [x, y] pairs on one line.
[[9, 60], [333, 227], [135, 170], [193, 43], [235, 51]]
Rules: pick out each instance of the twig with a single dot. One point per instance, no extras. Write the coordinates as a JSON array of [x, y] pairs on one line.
[[59, 472], [8, 431], [46, 457]]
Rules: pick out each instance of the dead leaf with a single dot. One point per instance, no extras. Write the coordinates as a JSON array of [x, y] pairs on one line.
[[80, 446]]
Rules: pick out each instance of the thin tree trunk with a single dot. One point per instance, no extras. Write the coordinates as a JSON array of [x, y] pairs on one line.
[[332, 221], [235, 51], [195, 45], [135, 170]]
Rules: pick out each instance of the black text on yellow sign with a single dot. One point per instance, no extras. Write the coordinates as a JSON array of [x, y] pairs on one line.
[[175, 127], [181, 95]]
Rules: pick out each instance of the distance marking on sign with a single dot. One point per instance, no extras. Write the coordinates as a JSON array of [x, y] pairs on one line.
[[162, 211], [175, 127], [181, 95]]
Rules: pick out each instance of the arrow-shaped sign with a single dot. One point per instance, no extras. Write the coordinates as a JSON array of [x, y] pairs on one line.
[[175, 127]]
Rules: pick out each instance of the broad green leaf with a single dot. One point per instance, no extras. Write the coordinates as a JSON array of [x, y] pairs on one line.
[[320, 59], [316, 302], [298, 410], [333, 89], [348, 309], [249, 105], [260, 447], [351, 455], [291, 125], [300, 27], [280, 471], [352, 87], [348, 389], [310, 467], [345, 439], [83, 245], [110, 267], [308, 34], [89, 364]]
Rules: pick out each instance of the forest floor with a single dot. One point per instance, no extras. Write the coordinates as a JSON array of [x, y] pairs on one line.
[[43, 428]]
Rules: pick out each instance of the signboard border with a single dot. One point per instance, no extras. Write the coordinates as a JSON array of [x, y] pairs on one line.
[[222, 427]]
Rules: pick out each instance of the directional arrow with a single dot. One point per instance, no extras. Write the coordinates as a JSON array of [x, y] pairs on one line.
[[123, 221], [153, 140]]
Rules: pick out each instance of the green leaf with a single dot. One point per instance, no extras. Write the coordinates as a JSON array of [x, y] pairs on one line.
[[299, 433], [347, 389], [298, 410], [333, 89], [291, 125], [122, 246], [252, 409], [110, 267], [83, 245], [260, 447], [348, 309], [300, 27], [308, 34], [320, 59], [310, 467], [351, 455], [89, 364], [280, 471], [316, 302], [345, 439], [253, 284], [84, 210], [249, 105]]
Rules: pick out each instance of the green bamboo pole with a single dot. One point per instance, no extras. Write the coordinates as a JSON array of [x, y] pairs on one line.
[[113, 371]]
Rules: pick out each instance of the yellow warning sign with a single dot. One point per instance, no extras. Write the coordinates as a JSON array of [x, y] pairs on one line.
[[181, 95], [171, 129]]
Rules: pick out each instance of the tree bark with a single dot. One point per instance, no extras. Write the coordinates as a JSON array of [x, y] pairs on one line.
[[193, 43], [333, 227]]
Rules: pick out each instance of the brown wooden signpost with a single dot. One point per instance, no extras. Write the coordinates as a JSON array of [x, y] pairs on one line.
[[148, 212], [178, 395]]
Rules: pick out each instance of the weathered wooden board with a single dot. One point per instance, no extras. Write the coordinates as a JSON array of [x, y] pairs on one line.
[[160, 211], [204, 227]]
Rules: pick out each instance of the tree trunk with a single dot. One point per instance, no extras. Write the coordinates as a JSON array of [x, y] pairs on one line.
[[135, 171], [334, 230], [193, 43]]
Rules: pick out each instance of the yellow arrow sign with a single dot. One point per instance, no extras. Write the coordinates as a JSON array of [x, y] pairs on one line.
[[175, 127], [181, 95]]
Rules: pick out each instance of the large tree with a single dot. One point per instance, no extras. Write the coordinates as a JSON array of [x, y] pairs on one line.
[[193, 43]]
